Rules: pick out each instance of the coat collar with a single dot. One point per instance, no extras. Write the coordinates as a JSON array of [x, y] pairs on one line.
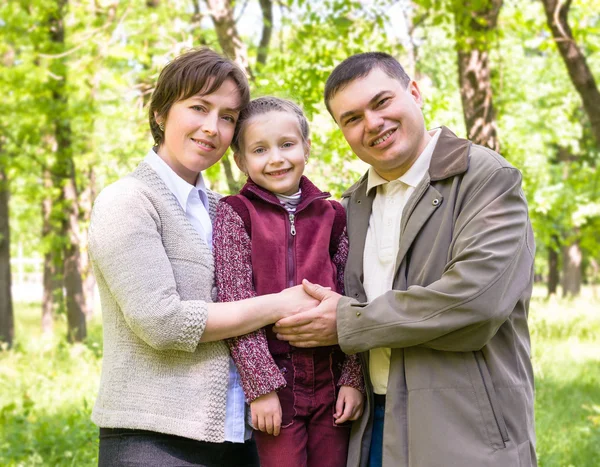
[[450, 158]]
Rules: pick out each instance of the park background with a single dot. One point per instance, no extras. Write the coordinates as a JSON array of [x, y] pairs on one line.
[[75, 80]]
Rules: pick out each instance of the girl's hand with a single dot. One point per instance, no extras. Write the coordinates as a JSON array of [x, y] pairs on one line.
[[266, 413], [349, 405]]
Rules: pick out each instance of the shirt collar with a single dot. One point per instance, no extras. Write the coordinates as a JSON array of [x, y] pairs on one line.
[[415, 173], [178, 186]]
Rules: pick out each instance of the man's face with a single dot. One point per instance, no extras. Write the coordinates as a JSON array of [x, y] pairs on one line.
[[382, 122]]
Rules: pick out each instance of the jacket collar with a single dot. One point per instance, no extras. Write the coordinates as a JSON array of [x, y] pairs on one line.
[[450, 158], [309, 193]]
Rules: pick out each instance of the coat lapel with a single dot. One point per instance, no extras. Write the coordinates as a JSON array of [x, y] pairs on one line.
[[359, 212], [419, 209]]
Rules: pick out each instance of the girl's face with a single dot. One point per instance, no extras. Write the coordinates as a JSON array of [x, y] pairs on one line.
[[199, 130], [273, 152]]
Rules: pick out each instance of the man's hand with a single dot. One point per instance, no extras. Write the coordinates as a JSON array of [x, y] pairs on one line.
[[313, 328], [349, 405], [294, 300], [266, 413]]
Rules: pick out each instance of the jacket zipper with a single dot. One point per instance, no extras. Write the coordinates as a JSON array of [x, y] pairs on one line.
[[291, 266]]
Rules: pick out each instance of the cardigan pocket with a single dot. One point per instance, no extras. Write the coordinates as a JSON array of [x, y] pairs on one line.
[[490, 408]]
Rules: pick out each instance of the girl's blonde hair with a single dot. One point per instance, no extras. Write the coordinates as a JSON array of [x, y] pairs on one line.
[[263, 105]]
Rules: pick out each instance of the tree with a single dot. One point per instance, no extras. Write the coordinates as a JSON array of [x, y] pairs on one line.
[[6, 306], [557, 19], [65, 209], [475, 22]]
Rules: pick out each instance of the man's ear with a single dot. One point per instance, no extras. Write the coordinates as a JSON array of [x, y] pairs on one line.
[[239, 161], [415, 92]]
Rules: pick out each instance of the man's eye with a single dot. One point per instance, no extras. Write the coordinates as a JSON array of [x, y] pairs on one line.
[[352, 120], [382, 101]]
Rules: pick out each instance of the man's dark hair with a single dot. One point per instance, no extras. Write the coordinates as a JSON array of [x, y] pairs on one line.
[[358, 66], [198, 71]]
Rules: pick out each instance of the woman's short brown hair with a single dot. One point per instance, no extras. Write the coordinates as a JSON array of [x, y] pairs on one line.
[[198, 71]]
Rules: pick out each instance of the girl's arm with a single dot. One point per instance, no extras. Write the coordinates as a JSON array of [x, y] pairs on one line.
[[233, 266], [351, 369]]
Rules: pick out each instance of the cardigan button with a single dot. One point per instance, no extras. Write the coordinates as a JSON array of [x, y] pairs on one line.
[[358, 313]]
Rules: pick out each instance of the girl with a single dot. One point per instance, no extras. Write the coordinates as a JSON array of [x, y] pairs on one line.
[[277, 231]]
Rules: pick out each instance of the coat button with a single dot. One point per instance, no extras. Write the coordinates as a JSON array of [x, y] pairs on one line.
[[435, 202], [358, 313], [356, 295]]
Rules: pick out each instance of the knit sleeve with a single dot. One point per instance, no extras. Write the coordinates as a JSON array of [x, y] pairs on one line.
[[233, 267], [129, 258], [339, 259]]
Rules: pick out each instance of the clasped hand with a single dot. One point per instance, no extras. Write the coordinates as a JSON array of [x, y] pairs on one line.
[[313, 328]]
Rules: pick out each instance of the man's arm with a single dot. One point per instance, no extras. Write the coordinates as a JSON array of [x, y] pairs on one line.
[[490, 270]]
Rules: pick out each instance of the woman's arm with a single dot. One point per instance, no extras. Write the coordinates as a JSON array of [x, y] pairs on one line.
[[131, 263]]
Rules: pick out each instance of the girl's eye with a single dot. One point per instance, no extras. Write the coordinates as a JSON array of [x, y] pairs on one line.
[[287, 145], [259, 150]]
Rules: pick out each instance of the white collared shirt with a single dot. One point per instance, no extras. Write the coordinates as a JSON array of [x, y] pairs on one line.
[[383, 241], [194, 202]]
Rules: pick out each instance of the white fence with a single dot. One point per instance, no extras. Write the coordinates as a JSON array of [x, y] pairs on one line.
[[27, 277]]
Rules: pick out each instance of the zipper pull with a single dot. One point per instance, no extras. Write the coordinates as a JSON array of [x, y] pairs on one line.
[[292, 226]]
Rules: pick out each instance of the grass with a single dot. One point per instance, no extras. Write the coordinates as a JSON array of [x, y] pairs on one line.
[[47, 388]]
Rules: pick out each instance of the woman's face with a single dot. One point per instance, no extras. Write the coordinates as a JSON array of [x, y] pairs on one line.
[[199, 130]]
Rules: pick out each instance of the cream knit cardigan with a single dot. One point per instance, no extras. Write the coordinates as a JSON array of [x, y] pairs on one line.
[[155, 276]]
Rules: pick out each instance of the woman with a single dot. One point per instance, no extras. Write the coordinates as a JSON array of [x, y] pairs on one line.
[[169, 393]]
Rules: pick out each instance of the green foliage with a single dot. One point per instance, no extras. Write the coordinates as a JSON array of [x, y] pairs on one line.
[[47, 390]]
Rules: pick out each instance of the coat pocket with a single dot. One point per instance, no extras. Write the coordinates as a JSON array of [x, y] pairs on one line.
[[489, 404]]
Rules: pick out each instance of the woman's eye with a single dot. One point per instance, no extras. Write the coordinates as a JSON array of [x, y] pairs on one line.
[[198, 108], [229, 118], [287, 145]]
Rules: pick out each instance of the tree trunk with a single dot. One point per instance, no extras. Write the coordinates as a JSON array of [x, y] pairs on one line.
[[557, 12], [266, 7], [221, 12], [474, 28], [7, 327], [66, 209], [52, 295], [571, 270], [553, 276]]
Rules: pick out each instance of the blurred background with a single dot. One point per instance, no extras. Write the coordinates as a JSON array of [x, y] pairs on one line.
[[518, 76]]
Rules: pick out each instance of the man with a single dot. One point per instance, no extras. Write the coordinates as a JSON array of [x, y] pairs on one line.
[[438, 283]]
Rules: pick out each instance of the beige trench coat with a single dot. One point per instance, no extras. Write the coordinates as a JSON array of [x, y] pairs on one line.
[[460, 390]]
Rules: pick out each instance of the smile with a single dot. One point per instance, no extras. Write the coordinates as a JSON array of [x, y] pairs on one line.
[[203, 144], [278, 173], [382, 138]]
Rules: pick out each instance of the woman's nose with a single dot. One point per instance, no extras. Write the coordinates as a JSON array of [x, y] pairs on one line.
[[209, 124]]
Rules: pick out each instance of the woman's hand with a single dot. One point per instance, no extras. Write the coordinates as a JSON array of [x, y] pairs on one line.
[[349, 405], [295, 300], [266, 413]]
